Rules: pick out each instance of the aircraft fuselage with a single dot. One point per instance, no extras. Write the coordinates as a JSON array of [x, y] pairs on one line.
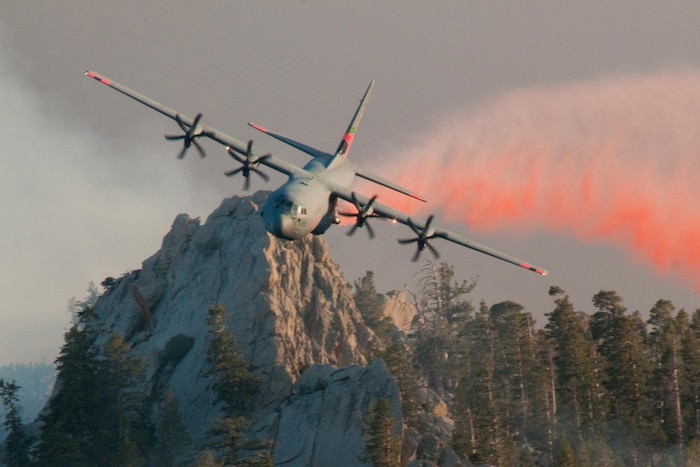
[[307, 202], [305, 205]]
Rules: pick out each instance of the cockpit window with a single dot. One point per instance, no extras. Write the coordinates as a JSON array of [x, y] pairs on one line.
[[289, 207]]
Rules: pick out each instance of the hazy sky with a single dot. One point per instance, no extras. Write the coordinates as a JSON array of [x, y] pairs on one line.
[[89, 187]]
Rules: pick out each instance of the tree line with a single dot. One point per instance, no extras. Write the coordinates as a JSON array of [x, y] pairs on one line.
[[582, 389], [609, 388], [103, 412]]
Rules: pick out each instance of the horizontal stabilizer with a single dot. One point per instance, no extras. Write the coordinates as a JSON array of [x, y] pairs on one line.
[[386, 183], [293, 143]]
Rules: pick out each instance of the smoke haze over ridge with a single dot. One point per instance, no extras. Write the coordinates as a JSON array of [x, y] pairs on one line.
[[75, 212], [614, 160]]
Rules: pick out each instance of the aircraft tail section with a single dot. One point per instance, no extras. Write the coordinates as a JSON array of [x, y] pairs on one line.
[[345, 143], [349, 136]]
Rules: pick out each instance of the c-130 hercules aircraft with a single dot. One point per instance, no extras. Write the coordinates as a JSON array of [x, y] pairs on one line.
[[307, 202]]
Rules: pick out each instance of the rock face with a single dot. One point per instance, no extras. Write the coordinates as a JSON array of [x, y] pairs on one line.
[[399, 309], [292, 314]]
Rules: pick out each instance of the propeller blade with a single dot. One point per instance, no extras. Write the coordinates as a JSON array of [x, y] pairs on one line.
[[233, 172], [362, 215], [190, 135], [182, 152], [416, 255], [422, 239], [433, 250], [262, 175], [180, 123], [195, 123], [406, 241], [370, 230], [202, 153], [248, 164]]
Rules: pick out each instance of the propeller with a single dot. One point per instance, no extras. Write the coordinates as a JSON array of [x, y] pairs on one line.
[[423, 237], [249, 164], [190, 135], [362, 215]]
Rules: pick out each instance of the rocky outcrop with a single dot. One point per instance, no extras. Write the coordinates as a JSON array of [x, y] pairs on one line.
[[292, 314], [399, 309], [321, 423]]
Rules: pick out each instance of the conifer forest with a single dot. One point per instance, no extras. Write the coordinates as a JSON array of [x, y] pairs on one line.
[[609, 388]]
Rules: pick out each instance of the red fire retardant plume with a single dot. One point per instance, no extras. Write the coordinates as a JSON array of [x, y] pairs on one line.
[[615, 160]]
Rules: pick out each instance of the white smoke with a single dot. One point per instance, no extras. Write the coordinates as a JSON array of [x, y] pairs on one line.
[[75, 209]]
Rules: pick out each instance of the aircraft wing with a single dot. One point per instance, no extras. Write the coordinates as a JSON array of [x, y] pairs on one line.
[[425, 231], [188, 123]]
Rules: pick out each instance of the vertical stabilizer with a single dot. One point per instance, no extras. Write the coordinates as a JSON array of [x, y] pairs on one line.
[[345, 144]]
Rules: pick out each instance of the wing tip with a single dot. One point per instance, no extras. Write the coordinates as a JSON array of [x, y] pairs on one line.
[[95, 76], [541, 272], [257, 127], [418, 197]]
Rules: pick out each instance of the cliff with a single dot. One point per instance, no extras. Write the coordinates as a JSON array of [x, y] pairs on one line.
[[292, 314]]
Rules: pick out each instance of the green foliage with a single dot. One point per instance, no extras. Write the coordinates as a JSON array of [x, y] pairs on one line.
[[368, 301], [95, 415], [382, 445], [173, 444], [371, 307], [579, 366], [601, 389], [397, 357], [35, 380], [230, 433], [16, 452], [235, 387], [75, 306], [443, 310], [207, 459], [565, 456]]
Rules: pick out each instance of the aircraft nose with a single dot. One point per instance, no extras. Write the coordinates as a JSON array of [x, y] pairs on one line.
[[272, 223]]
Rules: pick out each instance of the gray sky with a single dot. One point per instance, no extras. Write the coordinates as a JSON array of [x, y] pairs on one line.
[[89, 187]]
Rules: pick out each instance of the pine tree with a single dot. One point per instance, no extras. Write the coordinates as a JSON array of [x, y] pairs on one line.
[[580, 369], [442, 309], [368, 301], [383, 446], [16, 443], [69, 427], [481, 429], [397, 357], [234, 385], [691, 361], [173, 444], [666, 352], [121, 377], [207, 459], [371, 307], [565, 456], [518, 369], [627, 374], [93, 412]]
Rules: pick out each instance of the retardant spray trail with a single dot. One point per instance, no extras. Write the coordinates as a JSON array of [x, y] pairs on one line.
[[616, 160]]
